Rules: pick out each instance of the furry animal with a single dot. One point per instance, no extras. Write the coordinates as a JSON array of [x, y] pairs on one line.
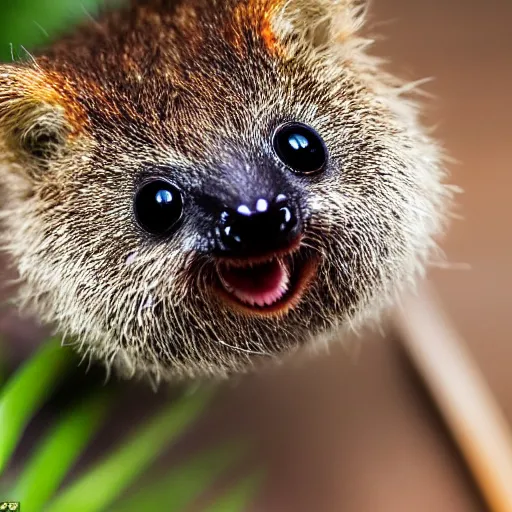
[[194, 187]]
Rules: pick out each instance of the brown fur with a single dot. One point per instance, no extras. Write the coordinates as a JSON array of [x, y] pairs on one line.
[[195, 85]]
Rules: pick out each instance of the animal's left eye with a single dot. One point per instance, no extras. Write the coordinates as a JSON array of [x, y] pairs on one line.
[[300, 148]]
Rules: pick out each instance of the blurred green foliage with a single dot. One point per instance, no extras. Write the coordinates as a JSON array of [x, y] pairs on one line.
[[26, 24], [104, 486]]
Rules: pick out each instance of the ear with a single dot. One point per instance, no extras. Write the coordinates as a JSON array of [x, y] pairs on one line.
[[318, 23], [33, 124]]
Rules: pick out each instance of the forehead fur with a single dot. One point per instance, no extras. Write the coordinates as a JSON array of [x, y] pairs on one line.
[[143, 64]]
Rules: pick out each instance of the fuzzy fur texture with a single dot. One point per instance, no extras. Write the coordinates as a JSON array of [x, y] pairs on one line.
[[198, 86]]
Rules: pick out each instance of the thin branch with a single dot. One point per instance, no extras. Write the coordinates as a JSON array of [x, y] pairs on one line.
[[462, 395]]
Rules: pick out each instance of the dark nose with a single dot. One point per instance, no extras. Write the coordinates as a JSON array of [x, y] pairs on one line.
[[260, 227]]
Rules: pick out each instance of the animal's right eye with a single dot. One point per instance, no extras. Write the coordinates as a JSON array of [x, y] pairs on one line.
[[158, 206]]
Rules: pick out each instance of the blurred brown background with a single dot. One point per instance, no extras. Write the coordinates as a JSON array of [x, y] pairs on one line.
[[353, 430], [358, 434]]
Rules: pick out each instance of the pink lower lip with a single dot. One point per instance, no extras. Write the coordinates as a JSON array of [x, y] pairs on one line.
[[261, 285]]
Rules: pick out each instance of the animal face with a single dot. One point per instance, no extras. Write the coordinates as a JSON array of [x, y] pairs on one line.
[[191, 188]]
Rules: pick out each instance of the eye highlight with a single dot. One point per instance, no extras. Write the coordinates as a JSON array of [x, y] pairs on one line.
[[158, 206], [300, 148]]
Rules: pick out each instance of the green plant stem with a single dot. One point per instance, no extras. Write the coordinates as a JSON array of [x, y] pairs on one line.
[[44, 473], [175, 491], [238, 498], [26, 391], [96, 491], [2, 363]]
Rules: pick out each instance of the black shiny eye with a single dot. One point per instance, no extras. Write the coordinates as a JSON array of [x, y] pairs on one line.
[[158, 206], [301, 148]]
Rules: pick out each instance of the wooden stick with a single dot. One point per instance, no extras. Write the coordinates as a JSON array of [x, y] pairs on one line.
[[462, 395]]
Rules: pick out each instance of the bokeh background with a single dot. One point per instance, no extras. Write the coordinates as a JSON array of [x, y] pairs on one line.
[[353, 430]]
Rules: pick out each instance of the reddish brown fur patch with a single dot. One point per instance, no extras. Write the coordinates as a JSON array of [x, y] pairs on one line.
[[258, 15], [26, 87], [269, 38], [63, 93]]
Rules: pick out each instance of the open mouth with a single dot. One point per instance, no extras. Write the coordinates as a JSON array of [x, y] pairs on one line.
[[271, 285]]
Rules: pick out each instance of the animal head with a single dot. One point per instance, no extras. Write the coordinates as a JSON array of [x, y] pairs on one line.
[[191, 187]]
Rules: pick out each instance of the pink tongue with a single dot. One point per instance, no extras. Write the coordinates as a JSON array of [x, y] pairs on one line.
[[260, 285]]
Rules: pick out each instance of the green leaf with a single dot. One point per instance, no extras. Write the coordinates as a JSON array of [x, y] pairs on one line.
[[26, 391], [238, 498], [30, 23], [175, 491], [2, 363], [97, 490], [43, 474]]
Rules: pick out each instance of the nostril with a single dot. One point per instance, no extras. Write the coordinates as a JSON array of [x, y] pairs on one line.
[[288, 220], [230, 234]]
